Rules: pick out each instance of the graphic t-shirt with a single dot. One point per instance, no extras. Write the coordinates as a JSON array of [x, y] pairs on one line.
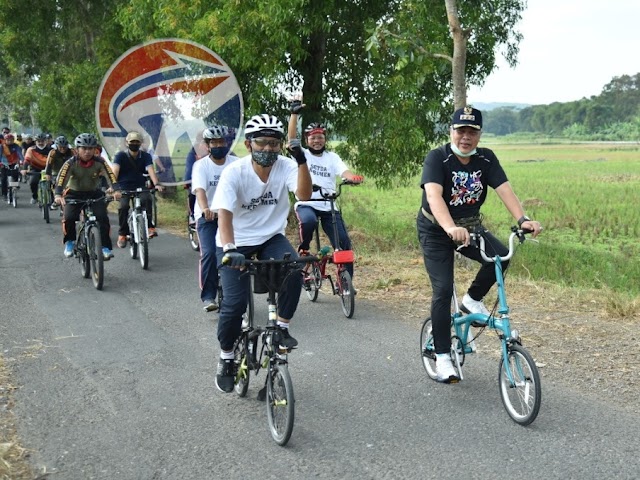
[[206, 175], [464, 186], [323, 169], [260, 210]]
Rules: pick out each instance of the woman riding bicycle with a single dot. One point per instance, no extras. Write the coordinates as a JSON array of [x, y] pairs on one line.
[[455, 179], [324, 167]]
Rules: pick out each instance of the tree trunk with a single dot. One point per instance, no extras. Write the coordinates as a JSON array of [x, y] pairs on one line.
[[458, 67]]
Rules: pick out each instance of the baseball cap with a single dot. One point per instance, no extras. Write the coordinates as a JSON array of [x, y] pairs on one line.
[[134, 137], [467, 117]]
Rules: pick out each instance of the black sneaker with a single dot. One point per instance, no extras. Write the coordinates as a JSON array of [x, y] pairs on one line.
[[285, 339], [224, 376]]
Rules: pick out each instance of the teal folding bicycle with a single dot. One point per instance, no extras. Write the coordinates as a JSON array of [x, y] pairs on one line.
[[518, 376]]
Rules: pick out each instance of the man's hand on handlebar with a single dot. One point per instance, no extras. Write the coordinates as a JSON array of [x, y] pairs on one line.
[[459, 235], [233, 259], [532, 226]]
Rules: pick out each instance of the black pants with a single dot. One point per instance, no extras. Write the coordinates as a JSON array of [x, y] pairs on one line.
[[438, 253], [123, 211], [72, 215], [5, 173], [34, 180]]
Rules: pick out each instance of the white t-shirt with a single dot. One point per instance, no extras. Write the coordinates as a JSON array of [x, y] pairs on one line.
[[324, 169], [260, 210], [206, 175]]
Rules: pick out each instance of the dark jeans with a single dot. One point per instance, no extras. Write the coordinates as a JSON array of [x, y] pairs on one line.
[[235, 289], [123, 211], [72, 215], [208, 268], [438, 253], [308, 219]]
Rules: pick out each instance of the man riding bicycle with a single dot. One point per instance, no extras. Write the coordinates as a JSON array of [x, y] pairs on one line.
[[35, 160], [252, 201], [56, 159], [11, 158], [79, 179], [130, 167]]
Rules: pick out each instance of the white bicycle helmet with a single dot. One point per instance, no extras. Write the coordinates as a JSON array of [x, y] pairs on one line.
[[215, 131], [264, 125]]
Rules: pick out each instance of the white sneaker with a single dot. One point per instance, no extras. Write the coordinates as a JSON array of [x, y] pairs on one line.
[[444, 369], [470, 305]]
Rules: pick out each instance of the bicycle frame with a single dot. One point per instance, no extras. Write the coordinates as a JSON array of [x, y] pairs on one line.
[[518, 378], [343, 284]]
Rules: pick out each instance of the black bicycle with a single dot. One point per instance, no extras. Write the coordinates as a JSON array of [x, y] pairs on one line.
[[88, 247], [12, 187], [272, 356]]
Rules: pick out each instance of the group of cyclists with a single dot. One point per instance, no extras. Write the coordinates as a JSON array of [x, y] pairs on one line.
[[241, 206]]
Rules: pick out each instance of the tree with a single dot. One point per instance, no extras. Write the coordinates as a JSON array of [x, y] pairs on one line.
[[55, 55]]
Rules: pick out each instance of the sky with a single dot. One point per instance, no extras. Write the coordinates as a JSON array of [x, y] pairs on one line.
[[571, 49]]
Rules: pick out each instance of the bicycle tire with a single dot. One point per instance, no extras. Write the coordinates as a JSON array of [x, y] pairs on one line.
[[133, 246], [522, 400], [243, 374], [81, 249], [154, 208], [346, 293], [194, 240], [94, 249], [428, 349], [249, 313], [144, 242], [280, 402], [313, 281], [46, 207], [14, 199]]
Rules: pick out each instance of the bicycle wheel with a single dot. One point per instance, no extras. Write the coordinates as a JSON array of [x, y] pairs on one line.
[[521, 398], [428, 350], [280, 402], [154, 209], [94, 249], [312, 280], [247, 317], [83, 255], [347, 294], [144, 242], [243, 373], [194, 240], [133, 246], [46, 204]]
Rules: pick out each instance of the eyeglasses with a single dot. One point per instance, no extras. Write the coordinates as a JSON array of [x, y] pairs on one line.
[[263, 142]]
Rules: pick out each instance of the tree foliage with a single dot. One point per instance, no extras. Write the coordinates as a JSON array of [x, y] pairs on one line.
[[611, 115]]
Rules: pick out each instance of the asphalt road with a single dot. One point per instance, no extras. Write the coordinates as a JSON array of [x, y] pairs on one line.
[[118, 384]]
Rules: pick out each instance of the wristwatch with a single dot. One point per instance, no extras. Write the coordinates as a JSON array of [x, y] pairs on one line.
[[228, 246], [523, 219]]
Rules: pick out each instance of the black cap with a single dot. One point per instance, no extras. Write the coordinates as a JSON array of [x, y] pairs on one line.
[[467, 117]]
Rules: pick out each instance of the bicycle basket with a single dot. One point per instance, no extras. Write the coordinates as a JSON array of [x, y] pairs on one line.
[[343, 256]]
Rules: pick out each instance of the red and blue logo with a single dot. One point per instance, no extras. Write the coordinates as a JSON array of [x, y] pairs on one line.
[[169, 90]]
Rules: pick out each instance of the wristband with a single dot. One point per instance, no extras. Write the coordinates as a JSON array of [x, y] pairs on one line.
[[523, 219]]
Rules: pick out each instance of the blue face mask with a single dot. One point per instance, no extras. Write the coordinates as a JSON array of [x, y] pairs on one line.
[[264, 158], [219, 152]]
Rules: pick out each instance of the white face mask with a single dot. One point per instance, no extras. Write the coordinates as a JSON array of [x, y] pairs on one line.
[[457, 151]]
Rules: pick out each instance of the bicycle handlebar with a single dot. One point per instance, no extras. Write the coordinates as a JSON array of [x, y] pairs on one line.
[[328, 195], [477, 239], [272, 261], [88, 201], [137, 190]]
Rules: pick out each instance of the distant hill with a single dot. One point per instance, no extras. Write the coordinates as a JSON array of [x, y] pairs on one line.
[[494, 105]]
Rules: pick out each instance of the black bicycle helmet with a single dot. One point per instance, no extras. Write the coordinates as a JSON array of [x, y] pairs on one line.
[[86, 140], [40, 136], [62, 141]]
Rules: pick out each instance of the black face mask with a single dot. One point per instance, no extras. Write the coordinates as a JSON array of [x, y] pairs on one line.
[[134, 147]]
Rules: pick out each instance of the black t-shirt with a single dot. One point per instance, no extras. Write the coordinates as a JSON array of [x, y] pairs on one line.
[[464, 186], [132, 170]]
